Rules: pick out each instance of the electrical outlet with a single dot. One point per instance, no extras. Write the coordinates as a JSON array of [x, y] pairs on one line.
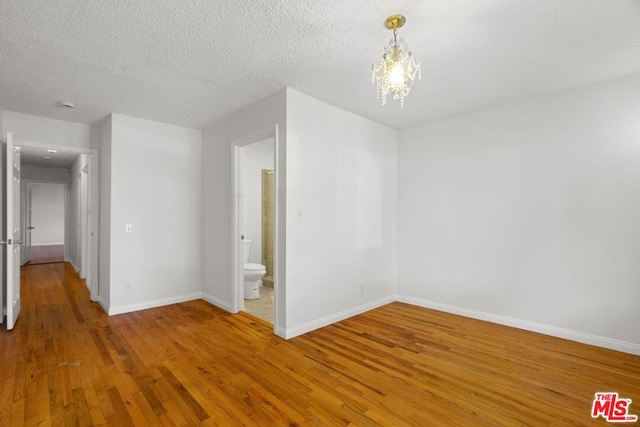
[[127, 286], [362, 288]]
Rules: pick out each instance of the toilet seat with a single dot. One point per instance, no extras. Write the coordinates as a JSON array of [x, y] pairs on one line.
[[253, 267]]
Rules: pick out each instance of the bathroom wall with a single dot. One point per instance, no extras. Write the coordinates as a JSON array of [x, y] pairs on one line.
[[257, 156], [337, 192], [528, 214], [217, 197], [341, 213]]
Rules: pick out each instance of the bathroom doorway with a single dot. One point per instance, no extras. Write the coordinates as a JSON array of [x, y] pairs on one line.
[[255, 174], [268, 202]]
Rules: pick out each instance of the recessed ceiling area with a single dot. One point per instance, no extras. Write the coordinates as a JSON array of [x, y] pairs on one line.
[[37, 157], [192, 63]]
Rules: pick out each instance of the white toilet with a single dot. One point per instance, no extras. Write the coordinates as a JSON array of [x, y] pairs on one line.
[[253, 274]]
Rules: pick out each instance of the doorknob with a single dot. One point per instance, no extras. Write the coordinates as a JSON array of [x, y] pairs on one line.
[[2, 243], [30, 228], [17, 242]]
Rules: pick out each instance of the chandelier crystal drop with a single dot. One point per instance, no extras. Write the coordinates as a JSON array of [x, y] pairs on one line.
[[396, 71]]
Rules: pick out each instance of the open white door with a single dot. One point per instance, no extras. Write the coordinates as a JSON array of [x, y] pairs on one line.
[[3, 237], [12, 223]]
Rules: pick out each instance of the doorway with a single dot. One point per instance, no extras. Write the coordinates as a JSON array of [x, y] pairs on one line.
[[76, 170], [251, 156], [44, 213], [257, 161]]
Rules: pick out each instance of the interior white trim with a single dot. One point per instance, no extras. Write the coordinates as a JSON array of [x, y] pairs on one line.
[[154, 303], [237, 195], [102, 303], [526, 325], [336, 317], [604, 342], [218, 303], [75, 267]]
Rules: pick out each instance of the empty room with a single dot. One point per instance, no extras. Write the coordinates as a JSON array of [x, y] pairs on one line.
[[320, 213]]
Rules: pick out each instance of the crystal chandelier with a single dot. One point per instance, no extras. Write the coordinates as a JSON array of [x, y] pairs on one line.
[[397, 69]]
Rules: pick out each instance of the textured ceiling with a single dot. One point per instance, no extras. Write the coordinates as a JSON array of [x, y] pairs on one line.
[[193, 62]]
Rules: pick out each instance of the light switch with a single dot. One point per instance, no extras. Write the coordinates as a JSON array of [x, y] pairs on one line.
[[128, 228]]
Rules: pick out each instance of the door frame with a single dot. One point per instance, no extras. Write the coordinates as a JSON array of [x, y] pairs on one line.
[[66, 202], [265, 197], [13, 234], [25, 217], [85, 218], [237, 203], [93, 194]]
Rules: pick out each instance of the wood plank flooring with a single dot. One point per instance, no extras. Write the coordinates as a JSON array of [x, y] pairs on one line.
[[68, 363]]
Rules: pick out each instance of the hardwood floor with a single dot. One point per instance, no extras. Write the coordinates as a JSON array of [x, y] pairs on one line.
[[68, 363]]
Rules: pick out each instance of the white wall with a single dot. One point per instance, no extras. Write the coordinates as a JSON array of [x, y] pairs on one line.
[[257, 156], [217, 246], [77, 215], [41, 131], [528, 214], [47, 214], [154, 186], [74, 218], [44, 174], [104, 282], [341, 213], [336, 169]]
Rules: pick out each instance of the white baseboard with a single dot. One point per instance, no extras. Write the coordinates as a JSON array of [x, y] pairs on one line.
[[48, 244], [581, 337], [281, 332], [218, 302], [333, 318], [103, 304], [288, 333], [155, 303], [73, 265]]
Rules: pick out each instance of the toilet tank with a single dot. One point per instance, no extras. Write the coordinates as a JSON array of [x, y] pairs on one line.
[[247, 249]]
